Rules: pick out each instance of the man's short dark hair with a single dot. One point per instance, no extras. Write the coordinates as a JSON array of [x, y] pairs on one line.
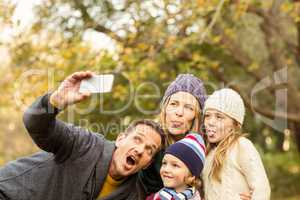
[[154, 125]]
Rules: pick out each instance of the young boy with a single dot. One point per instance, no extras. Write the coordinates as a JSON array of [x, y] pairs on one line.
[[181, 167]]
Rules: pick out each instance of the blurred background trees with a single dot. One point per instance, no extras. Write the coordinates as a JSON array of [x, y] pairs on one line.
[[252, 46]]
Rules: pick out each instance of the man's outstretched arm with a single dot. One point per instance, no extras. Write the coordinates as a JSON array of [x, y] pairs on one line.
[[48, 133]]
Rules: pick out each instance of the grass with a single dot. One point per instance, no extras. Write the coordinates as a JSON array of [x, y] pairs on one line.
[[283, 170]]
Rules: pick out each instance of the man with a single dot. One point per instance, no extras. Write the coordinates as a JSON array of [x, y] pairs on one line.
[[77, 164]]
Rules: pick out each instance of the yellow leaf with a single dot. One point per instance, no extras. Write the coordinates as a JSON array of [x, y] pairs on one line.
[[163, 75], [229, 32], [289, 61], [196, 57], [216, 39], [215, 64], [253, 66], [128, 51], [142, 46], [241, 9], [201, 2], [286, 7]]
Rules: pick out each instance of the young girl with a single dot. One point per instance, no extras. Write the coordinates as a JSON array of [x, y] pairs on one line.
[[233, 165], [181, 167]]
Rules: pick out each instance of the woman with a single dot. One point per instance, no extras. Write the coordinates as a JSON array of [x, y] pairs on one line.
[[233, 165]]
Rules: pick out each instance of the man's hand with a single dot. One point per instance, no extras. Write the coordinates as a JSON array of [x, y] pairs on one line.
[[68, 91]]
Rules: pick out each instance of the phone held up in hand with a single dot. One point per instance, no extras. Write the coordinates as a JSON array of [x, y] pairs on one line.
[[97, 84]]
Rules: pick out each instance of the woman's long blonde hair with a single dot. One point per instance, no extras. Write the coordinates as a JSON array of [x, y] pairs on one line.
[[221, 149], [162, 118]]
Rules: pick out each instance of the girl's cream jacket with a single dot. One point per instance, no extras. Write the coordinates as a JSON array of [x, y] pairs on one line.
[[242, 170]]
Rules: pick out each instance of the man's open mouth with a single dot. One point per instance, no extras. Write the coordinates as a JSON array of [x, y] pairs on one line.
[[130, 160]]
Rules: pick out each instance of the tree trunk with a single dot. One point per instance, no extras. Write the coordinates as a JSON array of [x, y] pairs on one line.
[[296, 129], [280, 140]]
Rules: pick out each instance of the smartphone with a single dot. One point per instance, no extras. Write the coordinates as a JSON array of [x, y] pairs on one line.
[[97, 84]]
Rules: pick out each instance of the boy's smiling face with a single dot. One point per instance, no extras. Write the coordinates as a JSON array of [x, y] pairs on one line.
[[174, 173]]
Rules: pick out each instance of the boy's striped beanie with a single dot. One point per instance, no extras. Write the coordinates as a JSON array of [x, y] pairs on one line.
[[190, 150]]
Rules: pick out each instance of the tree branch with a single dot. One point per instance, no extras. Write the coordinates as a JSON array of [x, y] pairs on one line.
[[90, 23], [274, 25], [213, 21], [241, 58], [298, 45], [265, 112]]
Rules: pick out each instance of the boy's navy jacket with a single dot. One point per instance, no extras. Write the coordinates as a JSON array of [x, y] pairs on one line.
[[72, 166]]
